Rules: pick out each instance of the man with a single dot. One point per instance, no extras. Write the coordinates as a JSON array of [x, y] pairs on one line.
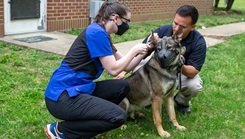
[[186, 17]]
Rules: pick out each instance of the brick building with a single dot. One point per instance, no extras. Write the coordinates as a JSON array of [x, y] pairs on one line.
[[25, 16]]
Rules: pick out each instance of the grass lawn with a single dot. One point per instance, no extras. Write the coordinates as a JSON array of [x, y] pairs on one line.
[[218, 112]]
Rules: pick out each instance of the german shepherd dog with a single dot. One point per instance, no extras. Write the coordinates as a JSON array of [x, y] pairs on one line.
[[157, 80]]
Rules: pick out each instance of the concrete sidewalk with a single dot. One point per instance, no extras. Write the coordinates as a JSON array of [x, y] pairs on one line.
[[61, 42]]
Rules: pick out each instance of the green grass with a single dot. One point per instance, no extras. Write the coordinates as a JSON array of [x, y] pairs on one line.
[[218, 112]]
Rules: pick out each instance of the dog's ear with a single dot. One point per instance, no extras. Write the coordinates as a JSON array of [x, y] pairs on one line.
[[178, 34], [153, 39]]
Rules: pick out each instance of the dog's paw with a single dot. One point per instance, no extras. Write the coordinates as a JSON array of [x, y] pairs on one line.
[[181, 128], [123, 127], [132, 115], [139, 114], [164, 134]]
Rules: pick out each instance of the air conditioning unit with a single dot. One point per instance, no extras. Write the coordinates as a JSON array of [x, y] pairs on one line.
[[94, 6]]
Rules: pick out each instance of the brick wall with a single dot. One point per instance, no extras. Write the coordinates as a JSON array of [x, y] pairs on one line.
[[1, 19], [145, 10], [67, 14]]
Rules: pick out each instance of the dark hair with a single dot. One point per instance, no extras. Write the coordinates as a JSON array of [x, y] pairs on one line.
[[106, 10], [188, 10], [109, 8]]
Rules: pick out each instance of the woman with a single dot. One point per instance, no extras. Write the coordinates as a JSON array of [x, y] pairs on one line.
[[88, 108]]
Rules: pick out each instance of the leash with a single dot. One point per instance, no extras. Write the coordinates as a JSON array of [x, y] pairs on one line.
[[179, 69]]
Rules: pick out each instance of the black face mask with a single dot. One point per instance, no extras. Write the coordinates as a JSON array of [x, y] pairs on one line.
[[122, 28]]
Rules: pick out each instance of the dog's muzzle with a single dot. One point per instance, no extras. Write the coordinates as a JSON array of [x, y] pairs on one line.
[[166, 57]]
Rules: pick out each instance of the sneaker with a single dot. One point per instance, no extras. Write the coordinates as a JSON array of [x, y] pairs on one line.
[[52, 131], [183, 109]]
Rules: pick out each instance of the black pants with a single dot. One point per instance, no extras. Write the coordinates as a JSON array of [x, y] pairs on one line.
[[85, 115]]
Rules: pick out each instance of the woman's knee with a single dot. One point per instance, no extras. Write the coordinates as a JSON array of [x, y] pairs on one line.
[[123, 88], [120, 118], [126, 86]]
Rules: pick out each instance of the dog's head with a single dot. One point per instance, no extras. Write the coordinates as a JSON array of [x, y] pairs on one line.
[[168, 49]]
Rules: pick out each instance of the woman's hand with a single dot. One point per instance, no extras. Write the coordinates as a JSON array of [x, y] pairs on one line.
[[115, 67], [141, 48], [121, 75]]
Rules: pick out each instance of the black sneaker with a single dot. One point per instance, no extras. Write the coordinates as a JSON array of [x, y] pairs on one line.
[[183, 109]]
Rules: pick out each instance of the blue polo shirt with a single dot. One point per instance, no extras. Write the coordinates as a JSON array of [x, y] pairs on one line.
[[81, 65], [195, 46]]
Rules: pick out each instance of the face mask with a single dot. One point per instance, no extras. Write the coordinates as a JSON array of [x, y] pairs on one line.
[[122, 28]]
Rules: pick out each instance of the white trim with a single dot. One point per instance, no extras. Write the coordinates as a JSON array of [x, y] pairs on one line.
[[25, 25]]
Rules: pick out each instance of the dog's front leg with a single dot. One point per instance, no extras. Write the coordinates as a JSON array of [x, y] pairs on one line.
[[157, 112], [169, 105]]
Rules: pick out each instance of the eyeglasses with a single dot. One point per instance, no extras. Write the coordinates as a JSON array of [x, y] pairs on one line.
[[128, 20]]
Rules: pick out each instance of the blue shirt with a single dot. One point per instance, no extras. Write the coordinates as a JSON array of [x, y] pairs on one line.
[[81, 65], [195, 46]]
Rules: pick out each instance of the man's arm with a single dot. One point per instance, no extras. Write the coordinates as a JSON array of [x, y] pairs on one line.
[[189, 71]]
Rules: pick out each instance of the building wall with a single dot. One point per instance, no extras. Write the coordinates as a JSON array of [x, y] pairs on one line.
[[64, 15], [145, 10], [67, 14], [1, 19]]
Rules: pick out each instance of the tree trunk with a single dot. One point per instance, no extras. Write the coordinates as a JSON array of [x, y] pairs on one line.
[[216, 4], [229, 4]]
